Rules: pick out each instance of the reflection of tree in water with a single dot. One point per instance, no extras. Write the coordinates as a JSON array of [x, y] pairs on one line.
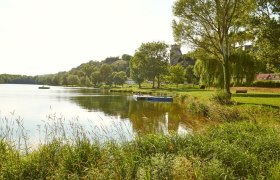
[[150, 117], [145, 117], [112, 105]]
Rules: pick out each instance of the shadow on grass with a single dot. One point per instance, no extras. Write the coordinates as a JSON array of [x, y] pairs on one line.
[[179, 89], [255, 104], [257, 95]]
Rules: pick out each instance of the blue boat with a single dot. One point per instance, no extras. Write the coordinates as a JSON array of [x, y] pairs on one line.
[[153, 98]]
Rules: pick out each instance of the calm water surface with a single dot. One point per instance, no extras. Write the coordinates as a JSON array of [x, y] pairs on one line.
[[107, 115]]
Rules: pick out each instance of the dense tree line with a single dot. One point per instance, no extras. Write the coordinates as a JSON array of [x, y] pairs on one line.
[[16, 79], [112, 70]]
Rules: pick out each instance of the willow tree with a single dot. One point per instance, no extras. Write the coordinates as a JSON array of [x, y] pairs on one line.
[[211, 25]]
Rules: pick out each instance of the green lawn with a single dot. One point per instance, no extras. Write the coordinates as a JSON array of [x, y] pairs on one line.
[[271, 99], [252, 97]]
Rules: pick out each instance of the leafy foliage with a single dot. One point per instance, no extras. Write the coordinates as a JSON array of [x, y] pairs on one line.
[[208, 24], [176, 74], [119, 78], [149, 62], [266, 24]]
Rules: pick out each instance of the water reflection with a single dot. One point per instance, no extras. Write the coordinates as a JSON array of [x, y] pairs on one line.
[[145, 117], [115, 116]]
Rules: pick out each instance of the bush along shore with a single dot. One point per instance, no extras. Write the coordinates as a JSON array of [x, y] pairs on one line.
[[244, 144]]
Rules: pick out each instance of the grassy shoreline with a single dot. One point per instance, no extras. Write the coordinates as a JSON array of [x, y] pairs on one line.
[[244, 144]]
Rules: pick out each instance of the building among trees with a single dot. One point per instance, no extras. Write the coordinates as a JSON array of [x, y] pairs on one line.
[[269, 76], [176, 57], [175, 54]]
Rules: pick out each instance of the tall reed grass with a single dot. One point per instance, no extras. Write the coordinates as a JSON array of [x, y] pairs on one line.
[[233, 150]]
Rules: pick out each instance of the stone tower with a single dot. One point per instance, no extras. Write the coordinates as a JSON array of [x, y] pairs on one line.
[[175, 54]]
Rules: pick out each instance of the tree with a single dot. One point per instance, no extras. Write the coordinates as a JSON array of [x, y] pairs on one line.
[[137, 68], [176, 74], [209, 25], [73, 80], [56, 80], [119, 65], [209, 72], [110, 60], [85, 81], [189, 74], [154, 60], [266, 26], [96, 78], [87, 68], [119, 78], [244, 67], [105, 73], [126, 57]]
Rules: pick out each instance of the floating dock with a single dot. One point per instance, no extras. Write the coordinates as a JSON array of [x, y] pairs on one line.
[[153, 98]]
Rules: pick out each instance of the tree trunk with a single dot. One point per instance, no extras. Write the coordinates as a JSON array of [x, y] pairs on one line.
[[153, 82], [139, 85], [226, 68], [226, 76], [158, 86]]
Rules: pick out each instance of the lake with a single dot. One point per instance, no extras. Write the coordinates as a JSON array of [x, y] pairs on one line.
[[105, 115]]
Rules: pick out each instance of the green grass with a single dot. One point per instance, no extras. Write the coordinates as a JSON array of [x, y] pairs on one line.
[[270, 99], [254, 98]]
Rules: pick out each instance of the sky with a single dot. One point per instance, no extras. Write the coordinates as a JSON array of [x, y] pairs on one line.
[[47, 36]]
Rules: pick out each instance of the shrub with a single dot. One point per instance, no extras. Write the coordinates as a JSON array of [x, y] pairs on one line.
[[9, 161], [182, 98], [224, 113], [213, 169], [197, 107], [274, 84], [156, 167], [182, 168], [274, 171], [222, 98], [202, 87]]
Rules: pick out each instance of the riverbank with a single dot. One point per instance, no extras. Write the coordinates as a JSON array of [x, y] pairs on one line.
[[243, 144]]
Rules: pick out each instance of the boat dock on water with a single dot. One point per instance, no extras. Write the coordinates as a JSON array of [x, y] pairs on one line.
[[153, 98]]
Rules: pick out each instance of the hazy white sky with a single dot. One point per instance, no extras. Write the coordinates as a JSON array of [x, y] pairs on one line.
[[48, 36]]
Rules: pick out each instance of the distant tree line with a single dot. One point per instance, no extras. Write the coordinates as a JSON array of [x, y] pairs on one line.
[[112, 70], [16, 79]]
